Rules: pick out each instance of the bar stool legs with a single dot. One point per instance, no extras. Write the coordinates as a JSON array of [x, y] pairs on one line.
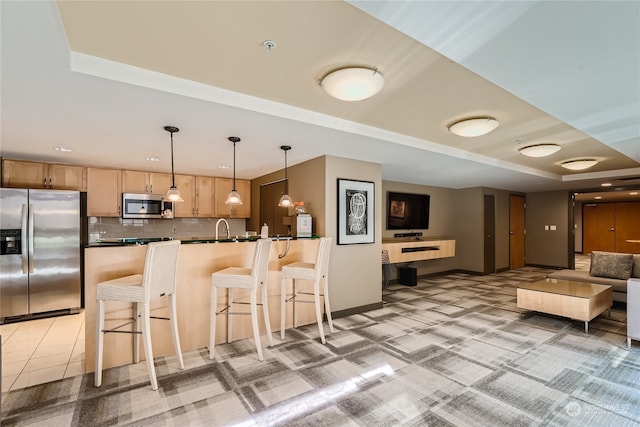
[[316, 272], [243, 278]]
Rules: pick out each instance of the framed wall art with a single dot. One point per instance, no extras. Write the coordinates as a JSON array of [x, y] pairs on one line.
[[355, 212]]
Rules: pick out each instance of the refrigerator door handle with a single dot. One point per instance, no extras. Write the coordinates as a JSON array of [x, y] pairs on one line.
[[24, 236], [31, 238]]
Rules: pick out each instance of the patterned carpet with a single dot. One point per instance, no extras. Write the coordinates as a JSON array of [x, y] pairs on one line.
[[452, 351]]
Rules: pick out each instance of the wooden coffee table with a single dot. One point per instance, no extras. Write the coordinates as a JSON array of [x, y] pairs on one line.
[[575, 300]]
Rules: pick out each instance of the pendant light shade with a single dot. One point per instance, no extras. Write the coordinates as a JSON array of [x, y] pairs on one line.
[[234, 197], [173, 194], [285, 200]]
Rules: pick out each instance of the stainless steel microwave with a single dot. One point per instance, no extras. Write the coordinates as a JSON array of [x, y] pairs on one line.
[[143, 206]]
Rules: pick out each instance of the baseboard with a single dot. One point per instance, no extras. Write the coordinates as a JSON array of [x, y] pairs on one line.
[[356, 310], [549, 267], [469, 272]]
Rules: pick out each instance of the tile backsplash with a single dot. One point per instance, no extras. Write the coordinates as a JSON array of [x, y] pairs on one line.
[[106, 227]]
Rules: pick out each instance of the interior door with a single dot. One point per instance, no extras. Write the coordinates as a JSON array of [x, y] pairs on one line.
[[270, 212], [598, 227], [489, 234], [627, 225], [516, 231]]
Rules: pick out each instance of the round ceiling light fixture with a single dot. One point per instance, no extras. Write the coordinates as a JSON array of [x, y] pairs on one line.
[[475, 126], [539, 150], [353, 84], [580, 164]]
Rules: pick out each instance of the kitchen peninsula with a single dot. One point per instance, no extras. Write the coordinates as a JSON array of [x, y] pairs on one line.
[[198, 259]]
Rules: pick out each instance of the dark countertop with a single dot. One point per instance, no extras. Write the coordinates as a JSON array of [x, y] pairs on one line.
[[130, 241]]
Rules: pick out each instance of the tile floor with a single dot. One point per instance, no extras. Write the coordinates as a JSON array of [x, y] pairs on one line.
[[42, 350]]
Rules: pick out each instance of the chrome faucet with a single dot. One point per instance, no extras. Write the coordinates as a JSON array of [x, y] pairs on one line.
[[218, 226]]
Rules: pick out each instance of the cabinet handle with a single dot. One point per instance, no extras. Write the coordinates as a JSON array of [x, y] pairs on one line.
[[50, 186], [150, 188], [44, 183]]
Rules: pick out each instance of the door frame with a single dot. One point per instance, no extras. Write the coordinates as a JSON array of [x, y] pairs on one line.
[[522, 220]]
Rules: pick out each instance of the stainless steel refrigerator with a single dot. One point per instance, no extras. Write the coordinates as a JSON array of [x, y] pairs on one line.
[[40, 264]]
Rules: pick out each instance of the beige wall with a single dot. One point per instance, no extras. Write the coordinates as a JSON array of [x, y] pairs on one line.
[[355, 273], [441, 222], [502, 226], [547, 247], [306, 183], [468, 216]]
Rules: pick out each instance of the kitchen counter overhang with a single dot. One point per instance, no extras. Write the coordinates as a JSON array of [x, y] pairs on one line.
[[129, 241]]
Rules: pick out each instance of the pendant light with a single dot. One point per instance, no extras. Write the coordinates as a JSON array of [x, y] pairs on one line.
[[285, 200], [173, 194], [234, 198]]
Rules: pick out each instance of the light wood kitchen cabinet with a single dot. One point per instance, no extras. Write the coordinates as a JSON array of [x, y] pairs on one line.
[[104, 192], [204, 200], [145, 182], [222, 188], [28, 174], [185, 209]]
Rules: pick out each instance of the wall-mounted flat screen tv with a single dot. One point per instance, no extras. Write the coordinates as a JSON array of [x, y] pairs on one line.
[[407, 211]]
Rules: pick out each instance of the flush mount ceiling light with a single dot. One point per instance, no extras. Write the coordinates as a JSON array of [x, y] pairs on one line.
[[539, 150], [475, 126], [234, 197], [353, 84], [578, 165], [285, 200], [173, 194]]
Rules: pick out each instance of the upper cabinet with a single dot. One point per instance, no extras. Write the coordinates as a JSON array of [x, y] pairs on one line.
[[145, 182], [104, 192], [28, 174], [184, 209], [223, 187], [205, 197]]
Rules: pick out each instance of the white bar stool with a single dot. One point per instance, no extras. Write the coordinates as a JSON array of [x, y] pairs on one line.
[[243, 278], [157, 280], [316, 272]]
